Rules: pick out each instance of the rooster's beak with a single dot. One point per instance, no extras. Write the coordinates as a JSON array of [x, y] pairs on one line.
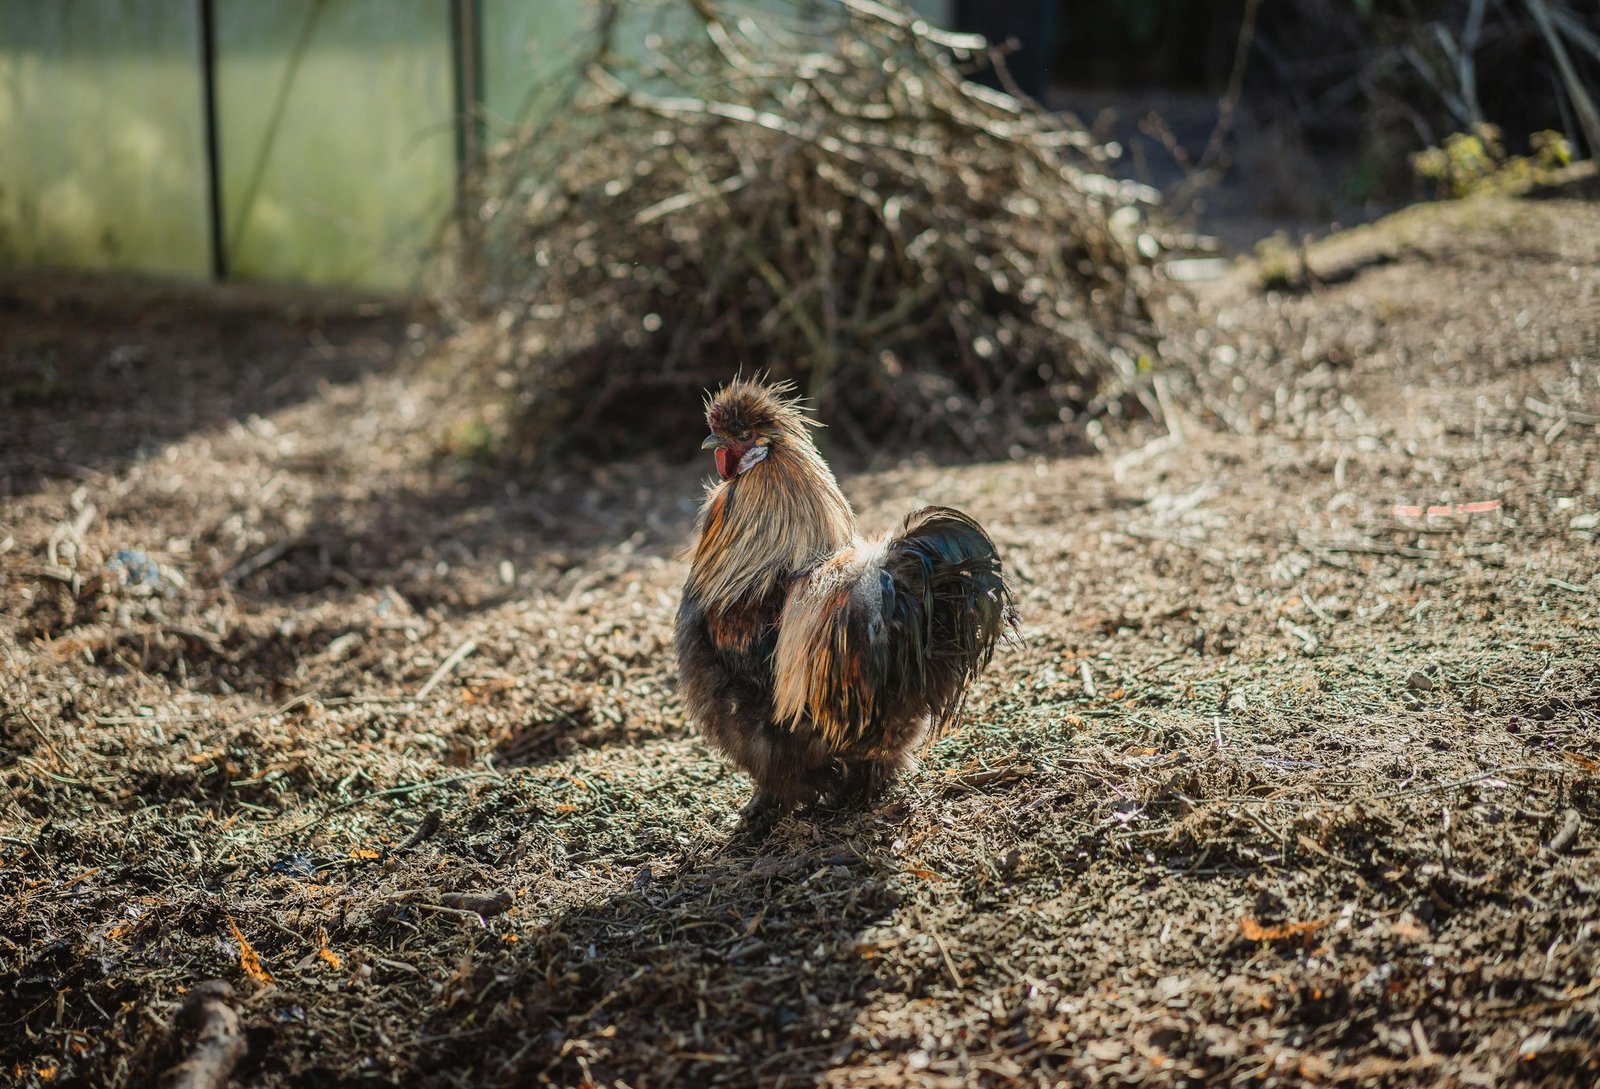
[[712, 443]]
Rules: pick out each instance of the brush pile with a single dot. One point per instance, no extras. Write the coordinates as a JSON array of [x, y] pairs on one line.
[[824, 197]]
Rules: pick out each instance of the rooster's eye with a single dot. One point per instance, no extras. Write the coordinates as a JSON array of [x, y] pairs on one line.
[[744, 436]]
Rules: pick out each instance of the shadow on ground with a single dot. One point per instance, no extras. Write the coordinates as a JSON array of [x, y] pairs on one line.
[[95, 375], [739, 968]]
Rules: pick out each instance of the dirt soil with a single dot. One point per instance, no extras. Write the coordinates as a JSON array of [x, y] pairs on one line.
[[1291, 777]]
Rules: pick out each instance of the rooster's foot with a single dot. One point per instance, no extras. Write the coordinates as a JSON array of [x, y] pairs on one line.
[[759, 817], [855, 788]]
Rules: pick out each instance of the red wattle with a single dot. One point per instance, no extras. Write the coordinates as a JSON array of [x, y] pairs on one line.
[[725, 463]]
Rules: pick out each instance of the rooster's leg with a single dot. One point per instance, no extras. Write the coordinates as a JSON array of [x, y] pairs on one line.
[[760, 816], [857, 786]]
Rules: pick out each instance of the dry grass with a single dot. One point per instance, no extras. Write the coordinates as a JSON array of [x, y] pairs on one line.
[[1281, 783]]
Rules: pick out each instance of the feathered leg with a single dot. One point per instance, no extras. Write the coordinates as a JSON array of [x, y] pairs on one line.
[[759, 817], [856, 786], [832, 787]]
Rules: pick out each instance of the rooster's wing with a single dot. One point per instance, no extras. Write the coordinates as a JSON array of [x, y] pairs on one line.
[[884, 637]]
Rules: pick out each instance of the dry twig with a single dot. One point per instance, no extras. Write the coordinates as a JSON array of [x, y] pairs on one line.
[[219, 1042]]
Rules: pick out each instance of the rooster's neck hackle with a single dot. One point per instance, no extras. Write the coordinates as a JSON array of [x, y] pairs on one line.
[[767, 524]]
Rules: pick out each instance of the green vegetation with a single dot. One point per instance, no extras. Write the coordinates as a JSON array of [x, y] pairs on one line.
[[1280, 266], [1472, 162]]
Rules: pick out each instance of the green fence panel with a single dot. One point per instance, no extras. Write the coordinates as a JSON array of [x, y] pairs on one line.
[[336, 134], [102, 136], [526, 50], [530, 47]]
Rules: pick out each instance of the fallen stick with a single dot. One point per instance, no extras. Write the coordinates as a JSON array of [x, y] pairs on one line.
[[429, 825], [219, 1042], [457, 656], [261, 560], [479, 903], [1567, 833]]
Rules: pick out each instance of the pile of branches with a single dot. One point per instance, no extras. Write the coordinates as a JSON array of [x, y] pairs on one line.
[[823, 196]]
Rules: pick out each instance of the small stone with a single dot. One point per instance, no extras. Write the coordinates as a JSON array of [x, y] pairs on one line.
[[1419, 682]]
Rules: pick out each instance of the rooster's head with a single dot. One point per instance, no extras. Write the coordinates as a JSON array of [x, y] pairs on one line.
[[748, 418]]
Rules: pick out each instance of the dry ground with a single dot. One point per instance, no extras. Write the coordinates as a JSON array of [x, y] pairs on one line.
[[1280, 784]]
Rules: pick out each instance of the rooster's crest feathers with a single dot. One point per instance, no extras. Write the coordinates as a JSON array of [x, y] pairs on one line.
[[749, 405]]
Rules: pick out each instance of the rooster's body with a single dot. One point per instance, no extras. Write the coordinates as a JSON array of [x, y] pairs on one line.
[[818, 661]]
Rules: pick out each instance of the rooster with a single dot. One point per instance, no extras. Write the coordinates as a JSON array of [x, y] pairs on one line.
[[816, 660]]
